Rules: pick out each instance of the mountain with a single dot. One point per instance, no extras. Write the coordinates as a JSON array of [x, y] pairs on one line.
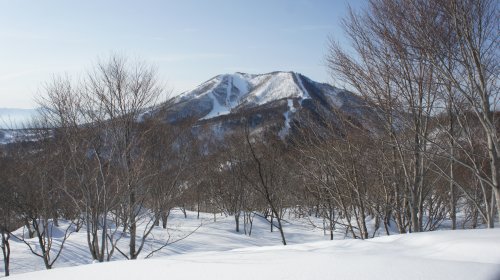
[[280, 99], [276, 102], [11, 121], [12, 118]]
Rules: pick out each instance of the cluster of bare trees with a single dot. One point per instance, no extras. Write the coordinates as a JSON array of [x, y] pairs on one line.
[[98, 162], [243, 176], [432, 69]]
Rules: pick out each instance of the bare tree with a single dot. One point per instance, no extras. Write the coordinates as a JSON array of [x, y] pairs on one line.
[[7, 215], [119, 91], [464, 49], [38, 200], [413, 58], [265, 174], [99, 123]]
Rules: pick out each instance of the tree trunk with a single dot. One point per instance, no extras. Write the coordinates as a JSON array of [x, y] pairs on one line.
[[31, 231], [6, 252], [198, 211], [282, 233], [453, 206], [157, 220], [332, 222], [250, 220], [133, 226], [164, 218], [495, 173], [237, 221], [183, 209]]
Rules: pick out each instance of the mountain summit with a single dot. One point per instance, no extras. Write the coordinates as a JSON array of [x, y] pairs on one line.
[[277, 98], [229, 93]]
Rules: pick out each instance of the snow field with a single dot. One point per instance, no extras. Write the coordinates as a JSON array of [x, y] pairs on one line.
[[216, 251]]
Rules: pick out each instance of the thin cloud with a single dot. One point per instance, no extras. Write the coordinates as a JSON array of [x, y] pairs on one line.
[[19, 35], [188, 30], [304, 28], [16, 75], [40, 37], [175, 31], [190, 56], [248, 70]]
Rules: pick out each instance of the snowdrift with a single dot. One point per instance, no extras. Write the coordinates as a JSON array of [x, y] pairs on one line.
[[461, 254]]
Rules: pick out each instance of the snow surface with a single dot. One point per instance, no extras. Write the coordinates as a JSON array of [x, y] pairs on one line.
[[302, 88], [236, 87], [216, 251], [465, 254], [270, 87], [16, 135], [286, 128], [217, 109]]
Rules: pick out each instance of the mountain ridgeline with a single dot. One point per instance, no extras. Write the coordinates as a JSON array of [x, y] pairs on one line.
[[279, 100]]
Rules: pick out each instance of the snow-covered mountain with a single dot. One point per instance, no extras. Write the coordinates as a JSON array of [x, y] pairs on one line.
[[230, 93], [226, 93], [277, 98]]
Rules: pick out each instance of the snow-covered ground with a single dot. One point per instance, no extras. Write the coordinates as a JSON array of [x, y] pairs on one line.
[[216, 251]]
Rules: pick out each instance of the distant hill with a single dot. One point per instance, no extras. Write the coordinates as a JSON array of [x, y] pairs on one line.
[[12, 118]]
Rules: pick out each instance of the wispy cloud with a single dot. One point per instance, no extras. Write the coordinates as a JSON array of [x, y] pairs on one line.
[[308, 28], [190, 56], [15, 75], [255, 47], [184, 30], [188, 30], [20, 35], [242, 69], [40, 36], [159, 38]]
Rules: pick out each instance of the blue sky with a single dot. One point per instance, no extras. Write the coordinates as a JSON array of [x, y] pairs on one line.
[[190, 41]]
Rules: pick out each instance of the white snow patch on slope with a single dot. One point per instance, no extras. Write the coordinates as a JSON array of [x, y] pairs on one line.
[[240, 83], [217, 109], [208, 86], [460, 254], [6, 136], [286, 128], [232, 100], [17, 135], [272, 87], [275, 86], [302, 88]]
